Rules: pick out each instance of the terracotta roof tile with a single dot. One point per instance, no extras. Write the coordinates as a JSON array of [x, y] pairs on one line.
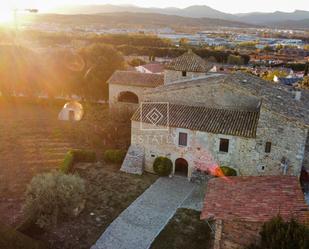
[[154, 67], [189, 62], [255, 198], [219, 121], [136, 79]]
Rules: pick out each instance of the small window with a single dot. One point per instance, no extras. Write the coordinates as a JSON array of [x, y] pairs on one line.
[[183, 139], [152, 155], [267, 147], [224, 145], [184, 73]]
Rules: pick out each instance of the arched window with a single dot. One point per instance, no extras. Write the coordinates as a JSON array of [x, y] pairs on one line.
[[128, 97]]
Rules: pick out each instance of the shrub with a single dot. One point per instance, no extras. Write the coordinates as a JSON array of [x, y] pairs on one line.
[[227, 171], [114, 156], [53, 196], [76, 156], [67, 163], [278, 234], [162, 166]]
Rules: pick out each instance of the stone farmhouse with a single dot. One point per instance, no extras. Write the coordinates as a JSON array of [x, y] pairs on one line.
[[194, 117]]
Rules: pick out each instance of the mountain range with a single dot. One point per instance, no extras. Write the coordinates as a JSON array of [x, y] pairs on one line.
[[137, 20], [275, 19]]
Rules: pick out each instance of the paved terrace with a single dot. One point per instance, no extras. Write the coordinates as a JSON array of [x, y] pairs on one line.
[[138, 225]]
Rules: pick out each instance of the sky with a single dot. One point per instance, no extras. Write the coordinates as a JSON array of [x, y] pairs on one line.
[[229, 6]]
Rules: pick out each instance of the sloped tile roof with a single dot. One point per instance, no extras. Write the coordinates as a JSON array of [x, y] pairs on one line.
[[219, 121], [276, 97], [136, 79], [255, 198], [189, 62], [154, 67]]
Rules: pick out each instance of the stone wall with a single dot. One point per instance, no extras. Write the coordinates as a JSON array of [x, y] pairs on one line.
[[165, 143], [171, 76], [236, 234], [246, 155], [115, 90], [288, 140]]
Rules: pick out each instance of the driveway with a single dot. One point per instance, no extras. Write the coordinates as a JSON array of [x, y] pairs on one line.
[[138, 225]]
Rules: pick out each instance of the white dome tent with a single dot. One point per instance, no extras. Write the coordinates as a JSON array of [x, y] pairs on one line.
[[71, 111]]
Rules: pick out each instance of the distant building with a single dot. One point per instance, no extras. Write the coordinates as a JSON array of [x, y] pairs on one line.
[[288, 81]]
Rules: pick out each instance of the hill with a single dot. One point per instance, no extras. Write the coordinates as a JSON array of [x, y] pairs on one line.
[[195, 11], [274, 19], [137, 20], [292, 24]]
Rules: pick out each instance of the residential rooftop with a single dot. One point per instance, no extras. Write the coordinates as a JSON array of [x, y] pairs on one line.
[[133, 78], [189, 62], [255, 198], [219, 121]]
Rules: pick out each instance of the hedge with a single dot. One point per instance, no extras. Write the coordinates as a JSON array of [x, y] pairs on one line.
[[162, 166], [227, 171], [76, 156], [114, 156]]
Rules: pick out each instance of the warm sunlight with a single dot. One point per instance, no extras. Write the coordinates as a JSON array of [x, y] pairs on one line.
[[6, 16]]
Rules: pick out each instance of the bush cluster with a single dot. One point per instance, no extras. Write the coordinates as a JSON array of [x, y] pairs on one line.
[[227, 171], [278, 234], [53, 196], [114, 156], [76, 156], [162, 166]]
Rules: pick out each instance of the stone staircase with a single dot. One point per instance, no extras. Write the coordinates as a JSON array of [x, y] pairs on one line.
[[134, 161]]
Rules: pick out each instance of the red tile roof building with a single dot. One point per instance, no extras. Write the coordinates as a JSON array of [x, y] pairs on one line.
[[255, 199], [240, 205]]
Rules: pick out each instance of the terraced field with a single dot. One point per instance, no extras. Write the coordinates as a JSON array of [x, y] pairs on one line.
[[32, 141]]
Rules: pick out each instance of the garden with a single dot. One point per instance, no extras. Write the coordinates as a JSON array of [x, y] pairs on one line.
[[34, 142]]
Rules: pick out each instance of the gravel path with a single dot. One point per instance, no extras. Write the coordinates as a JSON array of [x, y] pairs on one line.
[[138, 225]]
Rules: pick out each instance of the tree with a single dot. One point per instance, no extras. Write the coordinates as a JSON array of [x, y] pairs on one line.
[[271, 74], [136, 62], [268, 49], [304, 84], [306, 69], [235, 60], [101, 62], [183, 42], [278, 234]]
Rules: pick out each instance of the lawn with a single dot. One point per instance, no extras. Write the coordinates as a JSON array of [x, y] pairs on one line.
[[185, 230]]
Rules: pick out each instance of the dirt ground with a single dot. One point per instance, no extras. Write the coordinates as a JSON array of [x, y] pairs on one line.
[[109, 192], [185, 230], [32, 141]]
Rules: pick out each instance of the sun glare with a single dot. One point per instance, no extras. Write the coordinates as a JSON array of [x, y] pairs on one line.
[[6, 16]]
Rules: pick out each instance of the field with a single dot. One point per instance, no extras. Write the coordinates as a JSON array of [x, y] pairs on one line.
[[32, 140]]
